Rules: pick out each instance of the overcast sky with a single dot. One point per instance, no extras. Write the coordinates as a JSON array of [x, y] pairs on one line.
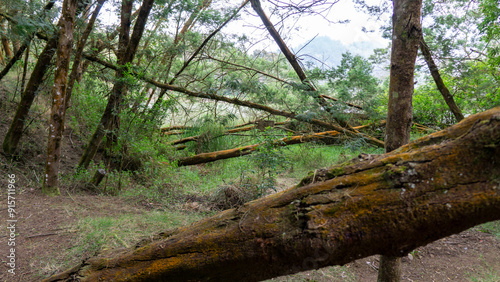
[[308, 26], [311, 26]]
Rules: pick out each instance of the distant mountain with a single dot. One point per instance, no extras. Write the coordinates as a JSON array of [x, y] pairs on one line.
[[327, 50]]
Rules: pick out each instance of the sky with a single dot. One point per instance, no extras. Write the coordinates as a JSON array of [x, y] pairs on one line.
[[306, 28], [310, 26]]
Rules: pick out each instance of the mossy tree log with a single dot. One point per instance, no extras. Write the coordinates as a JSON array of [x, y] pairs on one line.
[[386, 204]]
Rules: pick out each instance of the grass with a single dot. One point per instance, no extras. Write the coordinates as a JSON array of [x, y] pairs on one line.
[[492, 227], [169, 184], [310, 156], [487, 274], [102, 233]]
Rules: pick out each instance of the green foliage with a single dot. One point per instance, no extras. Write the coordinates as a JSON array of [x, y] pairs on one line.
[[270, 160], [212, 136], [490, 28], [476, 89], [87, 105], [353, 81]]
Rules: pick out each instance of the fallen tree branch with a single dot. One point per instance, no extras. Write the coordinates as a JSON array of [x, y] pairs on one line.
[[337, 100], [245, 150], [236, 101], [229, 131], [448, 98], [386, 204]]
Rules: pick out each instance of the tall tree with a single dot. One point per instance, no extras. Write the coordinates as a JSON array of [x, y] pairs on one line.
[[16, 128], [56, 123], [126, 52], [406, 34], [76, 70]]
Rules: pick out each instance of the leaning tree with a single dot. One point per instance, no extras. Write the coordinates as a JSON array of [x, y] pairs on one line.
[[385, 204]]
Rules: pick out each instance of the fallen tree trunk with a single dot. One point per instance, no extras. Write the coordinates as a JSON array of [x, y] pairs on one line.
[[245, 150], [385, 204], [318, 136]]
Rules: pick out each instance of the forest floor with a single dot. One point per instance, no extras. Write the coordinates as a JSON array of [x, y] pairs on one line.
[[53, 233], [48, 230]]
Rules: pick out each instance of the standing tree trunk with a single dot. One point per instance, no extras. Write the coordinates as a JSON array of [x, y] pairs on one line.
[[387, 204], [5, 40], [56, 124], [126, 52], [77, 66], [439, 81], [25, 66], [112, 108], [16, 128], [405, 41], [406, 34]]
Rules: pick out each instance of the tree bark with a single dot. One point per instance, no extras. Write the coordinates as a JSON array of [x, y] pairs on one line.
[[25, 67], [406, 33], [386, 204], [56, 123], [127, 50], [16, 128], [405, 41], [448, 98]]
